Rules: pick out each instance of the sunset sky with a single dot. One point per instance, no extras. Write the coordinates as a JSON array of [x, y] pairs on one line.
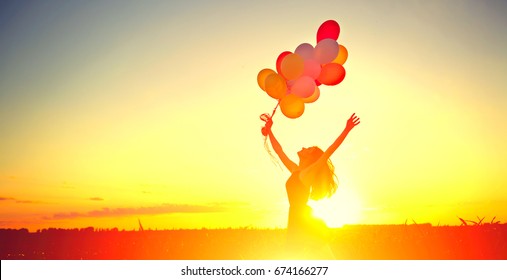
[[114, 111]]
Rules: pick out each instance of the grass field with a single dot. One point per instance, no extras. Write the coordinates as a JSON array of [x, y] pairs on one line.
[[386, 242]]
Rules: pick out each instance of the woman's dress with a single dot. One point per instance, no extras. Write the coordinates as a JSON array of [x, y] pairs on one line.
[[306, 234]]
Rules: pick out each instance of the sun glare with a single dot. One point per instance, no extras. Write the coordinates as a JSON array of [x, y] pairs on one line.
[[344, 207]]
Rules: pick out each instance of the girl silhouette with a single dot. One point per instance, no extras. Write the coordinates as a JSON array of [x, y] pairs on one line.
[[313, 177]]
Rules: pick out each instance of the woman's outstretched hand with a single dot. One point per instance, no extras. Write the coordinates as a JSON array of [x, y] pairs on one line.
[[352, 121], [267, 127]]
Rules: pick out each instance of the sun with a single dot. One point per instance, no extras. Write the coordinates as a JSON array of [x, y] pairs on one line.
[[344, 207]]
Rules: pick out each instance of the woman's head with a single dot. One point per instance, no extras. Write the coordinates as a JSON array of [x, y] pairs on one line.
[[307, 156], [324, 180]]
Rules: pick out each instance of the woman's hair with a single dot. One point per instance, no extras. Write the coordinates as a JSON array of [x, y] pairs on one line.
[[325, 181]]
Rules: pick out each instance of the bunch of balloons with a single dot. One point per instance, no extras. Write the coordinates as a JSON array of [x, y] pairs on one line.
[[299, 74]]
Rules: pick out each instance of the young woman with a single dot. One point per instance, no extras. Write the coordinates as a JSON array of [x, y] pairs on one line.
[[313, 177]]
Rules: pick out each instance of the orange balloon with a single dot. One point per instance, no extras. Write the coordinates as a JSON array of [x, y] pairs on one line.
[[343, 54], [331, 74], [292, 106], [313, 97], [276, 86], [261, 77], [292, 66], [279, 61]]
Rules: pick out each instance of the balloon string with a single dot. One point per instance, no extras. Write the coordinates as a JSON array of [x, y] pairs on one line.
[[274, 110], [271, 156], [266, 117]]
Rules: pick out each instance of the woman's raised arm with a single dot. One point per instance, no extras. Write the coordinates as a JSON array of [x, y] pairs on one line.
[[291, 166], [308, 173], [351, 123]]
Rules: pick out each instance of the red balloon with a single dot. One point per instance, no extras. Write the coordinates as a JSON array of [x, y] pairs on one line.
[[279, 61], [329, 29], [331, 74]]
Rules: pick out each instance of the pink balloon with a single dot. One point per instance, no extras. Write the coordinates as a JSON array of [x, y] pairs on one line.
[[303, 87], [312, 68], [328, 30], [305, 50], [315, 95], [326, 51]]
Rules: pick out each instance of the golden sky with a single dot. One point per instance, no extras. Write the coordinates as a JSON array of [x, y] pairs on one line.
[[124, 110]]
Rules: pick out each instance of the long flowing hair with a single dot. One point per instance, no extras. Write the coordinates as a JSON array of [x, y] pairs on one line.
[[325, 181]]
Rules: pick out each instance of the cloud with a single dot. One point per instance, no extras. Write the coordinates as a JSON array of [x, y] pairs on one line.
[[229, 204], [96, 198], [18, 201], [26, 201], [153, 210]]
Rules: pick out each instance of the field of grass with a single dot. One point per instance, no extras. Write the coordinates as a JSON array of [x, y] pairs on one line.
[[358, 242]]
